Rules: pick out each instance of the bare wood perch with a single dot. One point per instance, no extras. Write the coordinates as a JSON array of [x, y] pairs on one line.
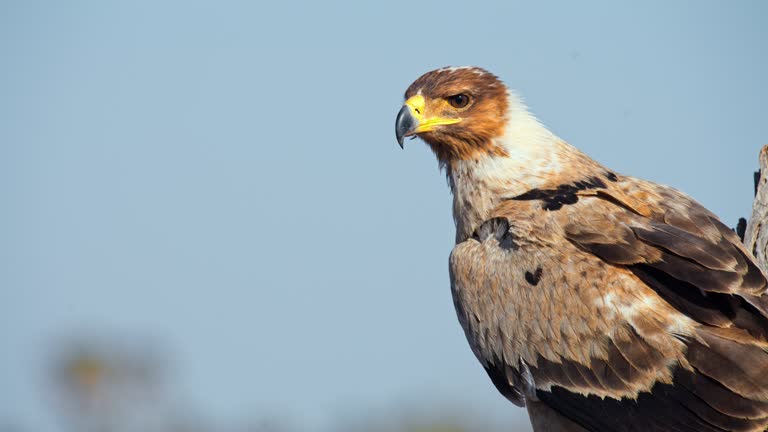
[[756, 233]]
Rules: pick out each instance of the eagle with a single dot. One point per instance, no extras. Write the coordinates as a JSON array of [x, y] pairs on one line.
[[598, 301]]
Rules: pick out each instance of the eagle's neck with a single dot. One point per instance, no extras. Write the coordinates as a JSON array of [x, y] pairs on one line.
[[535, 158]]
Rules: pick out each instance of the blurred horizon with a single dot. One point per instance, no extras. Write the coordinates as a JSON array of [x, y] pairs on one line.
[[204, 202]]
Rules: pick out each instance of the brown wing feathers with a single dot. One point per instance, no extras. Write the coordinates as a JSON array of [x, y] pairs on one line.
[[699, 270], [682, 344]]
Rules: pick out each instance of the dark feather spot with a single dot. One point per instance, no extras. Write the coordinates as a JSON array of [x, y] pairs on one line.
[[741, 229], [497, 228], [611, 176], [533, 278], [565, 194]]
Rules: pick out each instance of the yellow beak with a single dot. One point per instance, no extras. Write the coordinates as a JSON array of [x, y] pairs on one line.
[[411, 119]]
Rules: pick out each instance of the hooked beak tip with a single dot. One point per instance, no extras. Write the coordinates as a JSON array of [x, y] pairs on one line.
[[404, 124]]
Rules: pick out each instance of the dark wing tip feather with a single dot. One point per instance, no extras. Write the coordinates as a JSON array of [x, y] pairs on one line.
[[692, 403]]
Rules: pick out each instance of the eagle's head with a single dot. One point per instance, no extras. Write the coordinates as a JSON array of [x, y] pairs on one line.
[[459, 111]]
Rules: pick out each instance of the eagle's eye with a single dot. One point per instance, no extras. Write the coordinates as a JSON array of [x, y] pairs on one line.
[[458, 101]]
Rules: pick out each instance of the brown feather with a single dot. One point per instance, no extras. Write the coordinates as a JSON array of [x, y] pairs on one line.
[[720, 398], [739, 366]]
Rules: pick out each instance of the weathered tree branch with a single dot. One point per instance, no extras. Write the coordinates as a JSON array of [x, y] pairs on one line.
[[755, 235]]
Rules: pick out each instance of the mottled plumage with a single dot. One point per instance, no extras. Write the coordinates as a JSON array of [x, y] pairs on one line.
[[602, 302]]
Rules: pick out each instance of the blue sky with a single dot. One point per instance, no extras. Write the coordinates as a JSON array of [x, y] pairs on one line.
[[222, 178]]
